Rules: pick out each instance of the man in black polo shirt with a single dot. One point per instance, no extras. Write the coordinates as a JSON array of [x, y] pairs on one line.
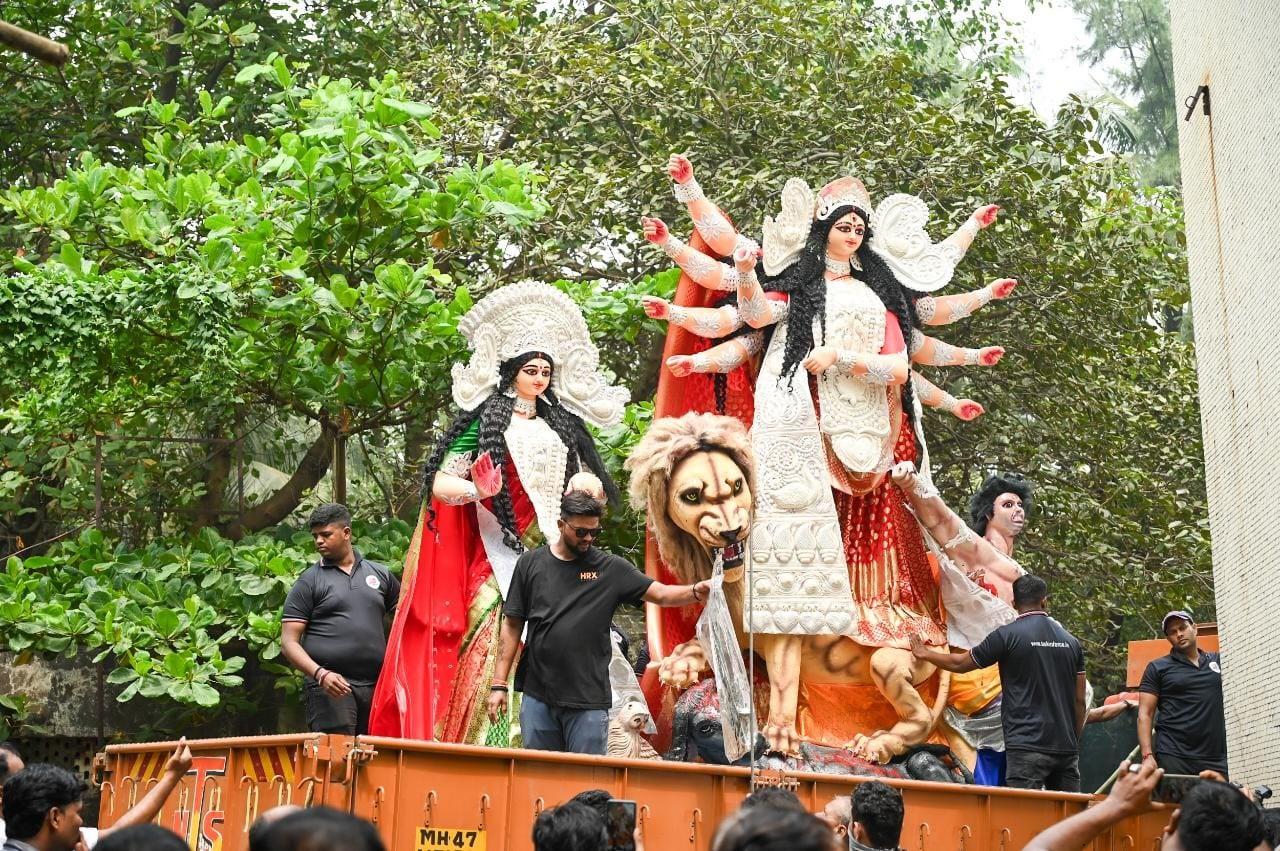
[[1183, 691], [334, 625], [1042, 670], [567, 593]]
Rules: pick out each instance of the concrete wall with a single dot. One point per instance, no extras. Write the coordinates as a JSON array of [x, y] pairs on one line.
[[1230, 168]]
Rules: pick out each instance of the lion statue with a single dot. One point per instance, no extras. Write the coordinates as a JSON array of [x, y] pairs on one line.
[[694, 475]]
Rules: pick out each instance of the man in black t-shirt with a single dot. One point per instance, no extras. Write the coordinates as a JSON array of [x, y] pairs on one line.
[[1183, 692], [1042, 671], [567, 593], [334, 626]]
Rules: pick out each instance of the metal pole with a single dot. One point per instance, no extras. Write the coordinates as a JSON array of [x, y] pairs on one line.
[[35, 46]]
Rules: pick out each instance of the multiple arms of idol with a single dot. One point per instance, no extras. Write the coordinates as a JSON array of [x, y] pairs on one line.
[[757, 310]]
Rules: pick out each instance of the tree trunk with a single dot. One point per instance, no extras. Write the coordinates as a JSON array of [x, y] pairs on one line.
[[281, 504], [408, 485], [216, 472], [168, 88]]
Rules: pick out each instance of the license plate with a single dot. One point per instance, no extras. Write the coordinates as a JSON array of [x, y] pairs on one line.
[[451, 839]]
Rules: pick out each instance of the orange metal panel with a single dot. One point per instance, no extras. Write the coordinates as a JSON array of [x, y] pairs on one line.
[[403, 786]]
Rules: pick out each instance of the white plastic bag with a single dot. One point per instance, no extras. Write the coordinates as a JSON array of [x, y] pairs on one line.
[[733, 686]]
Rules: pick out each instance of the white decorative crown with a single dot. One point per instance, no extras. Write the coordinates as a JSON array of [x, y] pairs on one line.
[[535, 317], [843, 192]]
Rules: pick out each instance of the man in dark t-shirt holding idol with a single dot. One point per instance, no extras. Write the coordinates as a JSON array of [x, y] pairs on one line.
[[1042, 670], [566, 594]]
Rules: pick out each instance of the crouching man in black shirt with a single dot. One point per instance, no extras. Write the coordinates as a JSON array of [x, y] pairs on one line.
[[567, 594], [1042, 669]]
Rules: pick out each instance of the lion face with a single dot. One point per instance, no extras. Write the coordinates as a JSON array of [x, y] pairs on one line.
[[709, 498]]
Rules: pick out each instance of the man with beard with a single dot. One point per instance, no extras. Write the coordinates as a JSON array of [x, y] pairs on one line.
[[1183, 693]]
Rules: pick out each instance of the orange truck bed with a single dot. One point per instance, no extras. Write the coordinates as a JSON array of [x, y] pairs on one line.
[[425, 796]]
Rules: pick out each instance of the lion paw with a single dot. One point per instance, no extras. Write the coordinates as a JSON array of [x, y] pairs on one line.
[[684, 666], [782, 737], [879, 747]]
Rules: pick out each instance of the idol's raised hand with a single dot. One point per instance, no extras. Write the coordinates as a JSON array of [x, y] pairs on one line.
[[655, 230], [486, 477], [679, 168]]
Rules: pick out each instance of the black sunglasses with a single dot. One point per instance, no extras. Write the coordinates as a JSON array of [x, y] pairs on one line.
[[592, 532]]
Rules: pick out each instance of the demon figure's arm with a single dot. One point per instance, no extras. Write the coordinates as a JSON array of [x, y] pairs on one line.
[[933, 396], [711, 224], [931, 351], [945, 309], [946, 527]]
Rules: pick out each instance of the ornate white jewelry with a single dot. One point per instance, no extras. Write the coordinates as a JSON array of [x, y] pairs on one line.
[[535, 317], [688, 191], [846, 360], [843, 192], [878, 373], [469, 494], [526, 408], [839, 267], [926, 308], [783, 238], [671, 247], [972, 357], [677, 315]]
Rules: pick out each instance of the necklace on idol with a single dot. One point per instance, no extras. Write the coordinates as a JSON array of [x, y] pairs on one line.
[[526, 408]]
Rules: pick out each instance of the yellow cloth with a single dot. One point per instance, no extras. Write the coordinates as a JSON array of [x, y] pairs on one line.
[[975, 690]]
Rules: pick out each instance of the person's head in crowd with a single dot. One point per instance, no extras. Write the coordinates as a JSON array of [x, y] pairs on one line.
[[580, 521], [775, 797], [1030, 593], [838, 814], [10, 761], [1214, 816], [330, 526], [1271, 827], [877, 815], [1179, 629], [264, 822], [572, 826], [596, 799], [42, 806], [774, 828], [320, 829], [142, 837]]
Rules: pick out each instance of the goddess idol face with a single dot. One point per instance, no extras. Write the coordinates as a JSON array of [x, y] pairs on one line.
[[846, 236], [532, 379]]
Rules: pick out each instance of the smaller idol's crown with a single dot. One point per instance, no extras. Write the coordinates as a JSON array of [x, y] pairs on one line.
[[844, 192]]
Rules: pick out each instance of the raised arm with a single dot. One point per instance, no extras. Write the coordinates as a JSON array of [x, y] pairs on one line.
[[725, 357], [931, 351], [943, 310], [710, 322], [946, 527], [704, 270], [707, 218], [960, 241], [933, 396]]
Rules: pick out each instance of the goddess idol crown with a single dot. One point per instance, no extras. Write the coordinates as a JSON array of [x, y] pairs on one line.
[[535, 317], [898, 233]]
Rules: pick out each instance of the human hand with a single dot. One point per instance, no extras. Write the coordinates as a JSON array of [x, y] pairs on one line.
[[967, 410], [990, 355], [486, 477], [655, 230], [656, 308], [496, 705], [918, 647], [1003, 288], [745, 256], [179, 761], [819, 360], [335, 685], [679, 168], [680, 365], [587, 482], [986, 215], [1132, 793]]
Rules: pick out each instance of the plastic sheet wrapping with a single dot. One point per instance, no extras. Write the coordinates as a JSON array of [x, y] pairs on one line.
[[973, 613], [623, 682], [733, 686]]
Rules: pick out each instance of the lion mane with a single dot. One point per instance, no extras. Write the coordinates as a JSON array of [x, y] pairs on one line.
[[668, 442]]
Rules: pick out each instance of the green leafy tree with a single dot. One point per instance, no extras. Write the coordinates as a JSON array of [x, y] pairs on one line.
[[1131, 40], [228, 284]]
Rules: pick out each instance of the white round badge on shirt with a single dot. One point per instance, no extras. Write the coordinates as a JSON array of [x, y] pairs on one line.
[[1213, 666], [372, 582]]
